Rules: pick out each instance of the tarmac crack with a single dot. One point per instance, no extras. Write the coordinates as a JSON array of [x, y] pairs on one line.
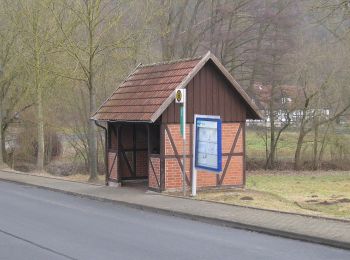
[[37, 245]]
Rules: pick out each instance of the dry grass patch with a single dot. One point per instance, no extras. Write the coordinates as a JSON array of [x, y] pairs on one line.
[[74, 177], [315, 193]]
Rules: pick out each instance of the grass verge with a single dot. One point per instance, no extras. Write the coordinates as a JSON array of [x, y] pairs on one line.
[[315, 193]]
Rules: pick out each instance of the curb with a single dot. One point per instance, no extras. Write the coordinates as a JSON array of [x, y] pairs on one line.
[[203, 219]]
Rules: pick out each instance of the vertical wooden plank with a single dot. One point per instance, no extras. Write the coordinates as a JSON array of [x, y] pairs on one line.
[[171, 113], [215, 87], [165, 115], [228, 100], [189, 105], [234, 108], [209, 79], [237, 107], [196, 96], [222, 99], [203, 87], [177, 112], [231, 102], [244, 114]]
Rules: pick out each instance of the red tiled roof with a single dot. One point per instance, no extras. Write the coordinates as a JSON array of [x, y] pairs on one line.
[[149, 90], [144, 91]]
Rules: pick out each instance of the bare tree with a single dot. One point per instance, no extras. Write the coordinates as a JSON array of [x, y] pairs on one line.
[[320, 82], [87, 28]]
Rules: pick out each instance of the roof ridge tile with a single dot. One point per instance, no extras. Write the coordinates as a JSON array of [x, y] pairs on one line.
[[170, 62]]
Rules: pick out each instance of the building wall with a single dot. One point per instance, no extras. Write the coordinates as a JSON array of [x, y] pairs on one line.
[[209, 93], [232, 160]]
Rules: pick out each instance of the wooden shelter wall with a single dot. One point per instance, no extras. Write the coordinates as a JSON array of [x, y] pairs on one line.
[[209, 93]]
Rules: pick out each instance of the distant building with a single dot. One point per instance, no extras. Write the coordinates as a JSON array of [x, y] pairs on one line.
[[288, 100]]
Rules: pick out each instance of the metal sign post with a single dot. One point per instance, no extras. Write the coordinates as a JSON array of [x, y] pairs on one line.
[[194, 170], [181, 99]]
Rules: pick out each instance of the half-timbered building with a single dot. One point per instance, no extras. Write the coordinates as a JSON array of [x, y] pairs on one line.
[[143, 123]]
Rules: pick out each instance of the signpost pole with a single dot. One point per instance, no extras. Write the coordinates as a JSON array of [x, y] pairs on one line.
[[194, 170], [184, 146], [180, 98]]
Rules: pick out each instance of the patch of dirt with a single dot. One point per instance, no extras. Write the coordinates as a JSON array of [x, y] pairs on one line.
[[326, 202], [311, 201], [336, 196], [344, 200], [314, 196], [246, 198]]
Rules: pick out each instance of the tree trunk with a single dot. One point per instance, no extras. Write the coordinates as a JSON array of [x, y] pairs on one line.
[[3, 145], [315, 148], [323, 146], [271, 161], [41, 135], [2, 137], [92, 140], [297, 158]]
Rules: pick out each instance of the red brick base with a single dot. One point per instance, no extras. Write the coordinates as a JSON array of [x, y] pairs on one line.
[[234, 169]]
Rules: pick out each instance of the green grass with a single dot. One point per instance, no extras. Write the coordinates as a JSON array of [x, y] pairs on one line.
[[287, 145], [323, 193], [256, 145]]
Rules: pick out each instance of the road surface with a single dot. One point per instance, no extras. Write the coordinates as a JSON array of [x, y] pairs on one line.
[[41, 224]]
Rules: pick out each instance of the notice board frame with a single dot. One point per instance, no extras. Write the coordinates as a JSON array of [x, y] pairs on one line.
[[217, 119]]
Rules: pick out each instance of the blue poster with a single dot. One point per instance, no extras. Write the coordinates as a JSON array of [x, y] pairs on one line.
[[208, 155]]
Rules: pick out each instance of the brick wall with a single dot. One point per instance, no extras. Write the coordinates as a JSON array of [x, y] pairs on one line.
[[152, 180], [235, 169]]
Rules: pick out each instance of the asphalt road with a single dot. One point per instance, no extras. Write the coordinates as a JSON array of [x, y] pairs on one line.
[[40, 224]]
